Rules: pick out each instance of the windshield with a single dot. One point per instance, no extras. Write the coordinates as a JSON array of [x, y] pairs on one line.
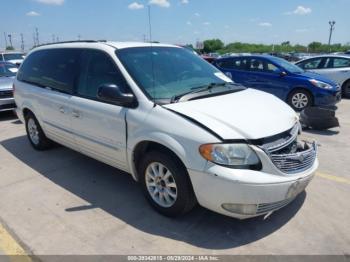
[[7, 69], [13, 56], [165, 72], [287, 66]]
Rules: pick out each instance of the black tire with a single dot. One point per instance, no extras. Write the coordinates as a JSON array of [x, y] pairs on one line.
[[185, 200], [296, 104], [346, 89], [42, 142]]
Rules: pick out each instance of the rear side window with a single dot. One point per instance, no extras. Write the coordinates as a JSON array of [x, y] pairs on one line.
[[54, 68], [341, 62], [236, 64], [311, 64], [261, 65]]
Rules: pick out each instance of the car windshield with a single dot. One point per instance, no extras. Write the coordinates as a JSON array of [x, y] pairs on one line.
[[13, 56], [165, 72], [7, 70], [287, 66]]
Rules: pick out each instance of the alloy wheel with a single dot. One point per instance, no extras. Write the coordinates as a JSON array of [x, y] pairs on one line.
[[33, 131], [161, 184]]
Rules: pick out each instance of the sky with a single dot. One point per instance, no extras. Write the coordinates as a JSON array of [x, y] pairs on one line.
[[176, 21]]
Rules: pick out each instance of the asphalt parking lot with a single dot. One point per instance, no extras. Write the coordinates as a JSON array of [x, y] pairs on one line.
[[61, 202]]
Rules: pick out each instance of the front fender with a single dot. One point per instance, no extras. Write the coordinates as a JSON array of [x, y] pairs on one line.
[[159, 138]]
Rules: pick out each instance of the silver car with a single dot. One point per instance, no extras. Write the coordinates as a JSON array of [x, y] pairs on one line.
[[335, 67], [7, 75]]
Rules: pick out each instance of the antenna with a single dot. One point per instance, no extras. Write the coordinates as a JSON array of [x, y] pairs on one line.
[[37, 36], [149, 23], [152, 61], [34, 40]]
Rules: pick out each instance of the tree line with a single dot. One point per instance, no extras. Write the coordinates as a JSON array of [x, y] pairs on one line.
[[216, 45]]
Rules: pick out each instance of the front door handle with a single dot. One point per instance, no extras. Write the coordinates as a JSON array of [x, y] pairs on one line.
[[76, 113], [62, 109]]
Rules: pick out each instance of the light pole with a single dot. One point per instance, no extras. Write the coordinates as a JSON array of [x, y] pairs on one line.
[[22, 43], [5, 40], [331, 29], [10, 40]]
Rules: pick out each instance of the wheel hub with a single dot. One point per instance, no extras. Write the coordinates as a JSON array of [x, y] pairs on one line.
[[33, 131], [300, 100], [161, 184]]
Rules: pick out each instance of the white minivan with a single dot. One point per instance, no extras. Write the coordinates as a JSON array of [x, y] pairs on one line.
[[180, 127]]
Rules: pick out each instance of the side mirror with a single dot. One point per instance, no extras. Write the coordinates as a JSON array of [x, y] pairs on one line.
[[111, 93]]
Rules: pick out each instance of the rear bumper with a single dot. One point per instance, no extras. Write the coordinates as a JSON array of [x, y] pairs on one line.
[[7, 104]]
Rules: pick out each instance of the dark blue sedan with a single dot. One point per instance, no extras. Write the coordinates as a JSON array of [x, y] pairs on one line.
[[287, 81]]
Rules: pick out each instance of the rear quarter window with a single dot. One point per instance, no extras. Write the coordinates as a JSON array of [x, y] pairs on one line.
[[54, 68], [341, 62]]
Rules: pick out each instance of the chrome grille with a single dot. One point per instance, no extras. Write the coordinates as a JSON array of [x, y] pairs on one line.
[[295, 162], [6, 94]]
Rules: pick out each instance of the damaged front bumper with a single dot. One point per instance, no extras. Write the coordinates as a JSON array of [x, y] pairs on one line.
[[287, 169]]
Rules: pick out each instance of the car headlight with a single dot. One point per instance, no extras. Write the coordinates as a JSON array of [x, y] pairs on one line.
[[320, 84], [232, 155]]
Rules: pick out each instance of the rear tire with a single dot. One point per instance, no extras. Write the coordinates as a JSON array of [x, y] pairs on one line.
[[35, 133], [346, 89], [166, 184], [300, 99]]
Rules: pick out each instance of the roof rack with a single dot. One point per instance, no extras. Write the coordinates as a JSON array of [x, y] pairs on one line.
[[73, 41]]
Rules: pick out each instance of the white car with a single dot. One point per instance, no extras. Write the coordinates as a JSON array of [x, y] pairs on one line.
[[335, 67], [12, 57], [174, 122]]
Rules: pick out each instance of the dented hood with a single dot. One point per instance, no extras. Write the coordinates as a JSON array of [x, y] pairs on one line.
[[248, 114]]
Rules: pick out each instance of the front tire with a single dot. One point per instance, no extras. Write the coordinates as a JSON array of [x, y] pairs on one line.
[[346, 89], [35, 133], [166, 184], [299, 99]]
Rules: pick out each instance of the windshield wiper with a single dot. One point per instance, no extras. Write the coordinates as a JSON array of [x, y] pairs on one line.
[[198, 89]]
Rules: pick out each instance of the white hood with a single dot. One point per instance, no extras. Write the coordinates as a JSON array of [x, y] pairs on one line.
[[248, 114]]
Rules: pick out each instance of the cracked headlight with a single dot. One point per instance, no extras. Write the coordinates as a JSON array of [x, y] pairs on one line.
[[231, 155]]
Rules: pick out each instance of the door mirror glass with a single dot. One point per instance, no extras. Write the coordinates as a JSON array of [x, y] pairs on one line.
[[111, 93]]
